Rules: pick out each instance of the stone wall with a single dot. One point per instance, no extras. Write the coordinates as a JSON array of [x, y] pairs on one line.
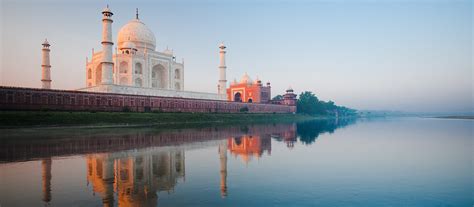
[[13, 98], [133, 90]]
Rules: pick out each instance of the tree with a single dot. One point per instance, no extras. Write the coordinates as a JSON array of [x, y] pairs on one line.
[[308, 103], [277, 98]]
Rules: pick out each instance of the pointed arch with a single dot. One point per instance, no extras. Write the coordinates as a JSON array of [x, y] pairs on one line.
[[177, 74], [138, 68], [123, 67], [98, 74], [159, 77], [238, 97]]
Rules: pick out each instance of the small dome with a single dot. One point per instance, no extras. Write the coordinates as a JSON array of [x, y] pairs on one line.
[[289, 90], [137, 32], [246, 79], [106, 9], [222, 46], [46, 43]]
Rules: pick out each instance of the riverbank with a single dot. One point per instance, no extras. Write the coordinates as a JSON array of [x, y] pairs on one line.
[[40, 119], [455, 117]]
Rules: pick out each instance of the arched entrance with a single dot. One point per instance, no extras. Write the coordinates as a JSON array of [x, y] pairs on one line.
[[158, 77], [238, 97], [250, 100], [98, 74]]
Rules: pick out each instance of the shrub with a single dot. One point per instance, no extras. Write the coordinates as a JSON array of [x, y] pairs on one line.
[[126, 109], [244, 109]]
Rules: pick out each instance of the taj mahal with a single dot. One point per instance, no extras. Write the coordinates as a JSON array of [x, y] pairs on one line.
[[131, 75], [136, 67], [137, 63]]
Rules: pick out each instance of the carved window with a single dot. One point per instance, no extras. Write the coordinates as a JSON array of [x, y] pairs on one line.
[[123, 67], [177, 74], [138, 68]]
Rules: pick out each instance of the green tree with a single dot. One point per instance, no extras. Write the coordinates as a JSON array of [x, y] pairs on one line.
[[308, 103], [277, 98]]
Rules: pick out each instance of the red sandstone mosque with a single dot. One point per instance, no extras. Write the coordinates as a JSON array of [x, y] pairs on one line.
[[249, 91]]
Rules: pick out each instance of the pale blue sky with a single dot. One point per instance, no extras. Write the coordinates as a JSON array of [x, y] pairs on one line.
[[411, 55]]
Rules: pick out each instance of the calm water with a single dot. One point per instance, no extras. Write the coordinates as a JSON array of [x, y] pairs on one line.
[[382, 162]]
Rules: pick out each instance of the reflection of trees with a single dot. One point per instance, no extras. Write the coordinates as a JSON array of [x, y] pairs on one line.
[[310, 130]]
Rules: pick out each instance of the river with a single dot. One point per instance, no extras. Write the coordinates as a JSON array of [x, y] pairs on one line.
[[340, 162]]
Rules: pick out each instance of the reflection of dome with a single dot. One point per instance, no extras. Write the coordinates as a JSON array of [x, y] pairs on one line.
[[138, 33], [246, 79]]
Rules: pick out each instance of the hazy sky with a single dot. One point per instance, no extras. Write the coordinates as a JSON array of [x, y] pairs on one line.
[[412, 55]]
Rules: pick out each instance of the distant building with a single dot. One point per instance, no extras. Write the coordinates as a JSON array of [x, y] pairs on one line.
[[289, 98], [249, 91]]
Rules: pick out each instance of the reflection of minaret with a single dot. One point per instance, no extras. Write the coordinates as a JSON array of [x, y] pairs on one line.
[[108, 178], [100, 172], [46, 165], [223, 159]]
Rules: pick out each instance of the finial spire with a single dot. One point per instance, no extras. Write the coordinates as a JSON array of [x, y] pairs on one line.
[[137, 14]]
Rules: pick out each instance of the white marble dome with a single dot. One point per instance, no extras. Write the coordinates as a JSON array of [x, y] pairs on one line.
[[137, 32], [128, 45]]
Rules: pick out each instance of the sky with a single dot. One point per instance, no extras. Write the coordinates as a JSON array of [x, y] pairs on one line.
[[403, 55]]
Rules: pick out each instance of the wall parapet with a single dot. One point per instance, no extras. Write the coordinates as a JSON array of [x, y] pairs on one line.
[[133, 90], [35, 99]]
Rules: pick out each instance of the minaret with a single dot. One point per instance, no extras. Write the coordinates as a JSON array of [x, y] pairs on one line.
[[46, 179], [46, 67], [223, 171], [107, 44], [222, 68]]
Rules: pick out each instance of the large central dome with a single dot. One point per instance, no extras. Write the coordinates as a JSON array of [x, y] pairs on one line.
[[137, 32]]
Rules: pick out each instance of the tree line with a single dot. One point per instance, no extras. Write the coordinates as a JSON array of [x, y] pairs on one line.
[[308, 103]]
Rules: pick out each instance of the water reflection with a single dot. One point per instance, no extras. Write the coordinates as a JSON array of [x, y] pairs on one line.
[[137, 177], [46, 178], [130, 167], [309, 131]]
